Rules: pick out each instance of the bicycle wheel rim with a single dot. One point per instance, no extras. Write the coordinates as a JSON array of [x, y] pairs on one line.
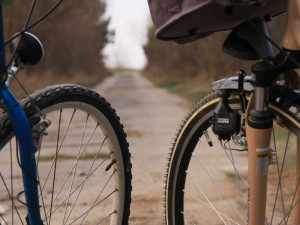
[[93, 112], [119, 181], [179, 199]]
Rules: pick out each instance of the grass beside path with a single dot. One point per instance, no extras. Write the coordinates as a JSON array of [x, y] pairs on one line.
[[192, 92]]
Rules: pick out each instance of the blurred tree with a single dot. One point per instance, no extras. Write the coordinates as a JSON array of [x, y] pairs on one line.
[[72, 36], [203, 58], [7, 2]]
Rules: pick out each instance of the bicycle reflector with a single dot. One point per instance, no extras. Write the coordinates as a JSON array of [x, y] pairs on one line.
[[226, 122]]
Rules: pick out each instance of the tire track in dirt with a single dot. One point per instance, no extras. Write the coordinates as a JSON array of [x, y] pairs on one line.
[[151, 117]]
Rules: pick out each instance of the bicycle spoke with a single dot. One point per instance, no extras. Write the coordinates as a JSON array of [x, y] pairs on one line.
[[11, 197], [199, 200], [237, 181], [279, 188], [216, 211], [74, 165], [80, 184], [11, 181], [76, 183], [67, 177], [106, 197], [105, 185], [94, 206], [106, 217], [297, 201], [55, 163], [217, 186], [42, 197], [213, 176], [209, 181], [3, 220], [233, 164], [38, 177], [84, 182], [79, 150], [292, 207], [58, 149], [189, 218]]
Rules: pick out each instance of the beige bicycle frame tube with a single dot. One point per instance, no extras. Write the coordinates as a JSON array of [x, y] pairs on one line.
[[291, 38], [259, 152], [258, 159], [291, 41]]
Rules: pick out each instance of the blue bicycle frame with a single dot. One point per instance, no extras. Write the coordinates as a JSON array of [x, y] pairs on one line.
[[24, 136]]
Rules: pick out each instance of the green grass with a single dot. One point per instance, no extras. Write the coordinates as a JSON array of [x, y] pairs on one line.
[[93, 82], [168, 84], [192, 92], [281, 136], [233, 175], [121, 70]]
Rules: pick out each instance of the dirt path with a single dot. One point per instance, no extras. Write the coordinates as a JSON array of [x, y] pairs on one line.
[[151, 117]]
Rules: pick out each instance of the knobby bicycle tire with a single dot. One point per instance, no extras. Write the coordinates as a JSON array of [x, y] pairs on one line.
[[86, 143], [206, 179]]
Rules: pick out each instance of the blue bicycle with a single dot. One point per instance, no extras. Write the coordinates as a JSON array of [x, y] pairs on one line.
[[64, 155]]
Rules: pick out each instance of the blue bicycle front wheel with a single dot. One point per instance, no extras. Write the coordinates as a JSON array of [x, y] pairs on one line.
[[83, 161]]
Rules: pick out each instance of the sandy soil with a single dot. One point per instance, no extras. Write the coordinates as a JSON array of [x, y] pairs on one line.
[[151, 117]]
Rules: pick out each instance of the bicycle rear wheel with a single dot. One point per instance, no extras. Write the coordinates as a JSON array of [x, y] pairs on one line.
[[207, 179], [83, 163]]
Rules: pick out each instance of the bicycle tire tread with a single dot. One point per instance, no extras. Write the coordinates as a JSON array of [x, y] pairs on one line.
[[58, 93], [187, 123]]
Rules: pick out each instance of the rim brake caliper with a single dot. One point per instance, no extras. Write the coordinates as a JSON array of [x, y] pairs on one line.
[[38, 131]]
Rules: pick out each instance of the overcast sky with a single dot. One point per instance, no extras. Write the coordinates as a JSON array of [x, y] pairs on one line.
[[130, 20]]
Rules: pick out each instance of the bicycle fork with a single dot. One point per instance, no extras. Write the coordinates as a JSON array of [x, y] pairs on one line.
[[27, 154], [258, 130], [24, 136], [260, 156]]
